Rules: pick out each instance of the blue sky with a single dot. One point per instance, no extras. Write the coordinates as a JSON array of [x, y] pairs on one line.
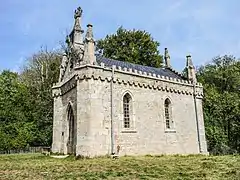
[[204, 29]]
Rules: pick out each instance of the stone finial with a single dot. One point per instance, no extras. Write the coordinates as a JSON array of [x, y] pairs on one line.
[[189, 60], [77, 17], [191, 74], [63, 67], [89, 47], [78, 12], [89, 33], [64, 60], [167, 58], [74, 40]]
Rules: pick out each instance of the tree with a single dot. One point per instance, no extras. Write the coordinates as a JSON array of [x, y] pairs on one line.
[[16, 128], [26, 103], [39, 74], [134, 46], [221, 81]]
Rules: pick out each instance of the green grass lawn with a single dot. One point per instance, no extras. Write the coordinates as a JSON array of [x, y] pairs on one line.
[[37, 166]]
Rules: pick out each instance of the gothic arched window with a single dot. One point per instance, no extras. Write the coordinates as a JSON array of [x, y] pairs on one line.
[[168, 114], [127, 100]]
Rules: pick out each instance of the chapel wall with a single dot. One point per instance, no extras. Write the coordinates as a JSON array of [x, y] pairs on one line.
[[85, 119], [57, 121], [64, 97], [148, 135]]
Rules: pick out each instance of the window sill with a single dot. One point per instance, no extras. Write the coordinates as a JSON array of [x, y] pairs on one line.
[[128, 131], [170, 131]]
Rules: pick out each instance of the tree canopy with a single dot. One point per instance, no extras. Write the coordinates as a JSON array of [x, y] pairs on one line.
[[134, 46], [39, 74], [26, 103], [221, 82], [16, 127]]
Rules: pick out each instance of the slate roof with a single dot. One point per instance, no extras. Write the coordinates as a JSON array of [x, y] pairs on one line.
[[158, 71]]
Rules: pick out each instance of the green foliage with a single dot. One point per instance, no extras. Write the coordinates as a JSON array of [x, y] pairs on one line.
[[26, 103], [134, 46], [39, 75], [16, 130], [221, 80]]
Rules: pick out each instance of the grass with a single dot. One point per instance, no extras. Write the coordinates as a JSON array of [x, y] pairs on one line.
[[37, 166]]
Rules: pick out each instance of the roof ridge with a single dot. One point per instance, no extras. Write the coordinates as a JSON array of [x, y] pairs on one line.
[[163, 71], [130, 62]]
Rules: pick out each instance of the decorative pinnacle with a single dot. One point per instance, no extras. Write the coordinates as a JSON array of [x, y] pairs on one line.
[[78, 12], [189, 60], [89, 33], [166, 52], [89, 25], [191, 75], [167, 57], [77, 17]]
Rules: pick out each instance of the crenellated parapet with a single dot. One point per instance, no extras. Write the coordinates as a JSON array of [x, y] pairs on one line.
[[62, 88], [143, 74], [68, 86], [56, 92], [128, 76], [131, 77]]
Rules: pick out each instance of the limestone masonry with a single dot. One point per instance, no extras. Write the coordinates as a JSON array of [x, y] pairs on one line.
[[104, 106]]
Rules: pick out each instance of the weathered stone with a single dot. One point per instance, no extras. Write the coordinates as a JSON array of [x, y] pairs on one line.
[[88, 106]]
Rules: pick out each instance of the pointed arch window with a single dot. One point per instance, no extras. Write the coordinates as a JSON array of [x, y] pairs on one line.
[[168, 114], [127, 109]]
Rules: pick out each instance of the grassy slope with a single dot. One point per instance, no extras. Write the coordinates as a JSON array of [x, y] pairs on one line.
[[36, 166]]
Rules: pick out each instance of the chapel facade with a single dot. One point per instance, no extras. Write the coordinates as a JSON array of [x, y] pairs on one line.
[[104, 106]]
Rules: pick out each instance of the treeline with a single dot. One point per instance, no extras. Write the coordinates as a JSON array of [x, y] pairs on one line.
[[221, 82], [26, 103]]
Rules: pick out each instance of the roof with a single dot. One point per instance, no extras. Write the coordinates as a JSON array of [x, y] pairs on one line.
[[158, 71]]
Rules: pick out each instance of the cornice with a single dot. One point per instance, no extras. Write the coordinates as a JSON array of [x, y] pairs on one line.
[[134, 72], [79, 77]]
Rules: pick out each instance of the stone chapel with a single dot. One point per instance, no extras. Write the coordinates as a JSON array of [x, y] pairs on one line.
[[110, 107]]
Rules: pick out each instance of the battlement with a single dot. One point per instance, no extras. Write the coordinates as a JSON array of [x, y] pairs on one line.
[[150, 75]]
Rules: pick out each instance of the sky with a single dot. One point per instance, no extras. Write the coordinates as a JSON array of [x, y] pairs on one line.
[[204, 29]]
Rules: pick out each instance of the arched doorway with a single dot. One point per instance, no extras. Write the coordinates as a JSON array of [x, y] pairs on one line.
[[71, 144]]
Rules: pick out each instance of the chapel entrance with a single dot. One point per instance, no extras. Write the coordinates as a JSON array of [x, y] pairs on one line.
[[71, 144]]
